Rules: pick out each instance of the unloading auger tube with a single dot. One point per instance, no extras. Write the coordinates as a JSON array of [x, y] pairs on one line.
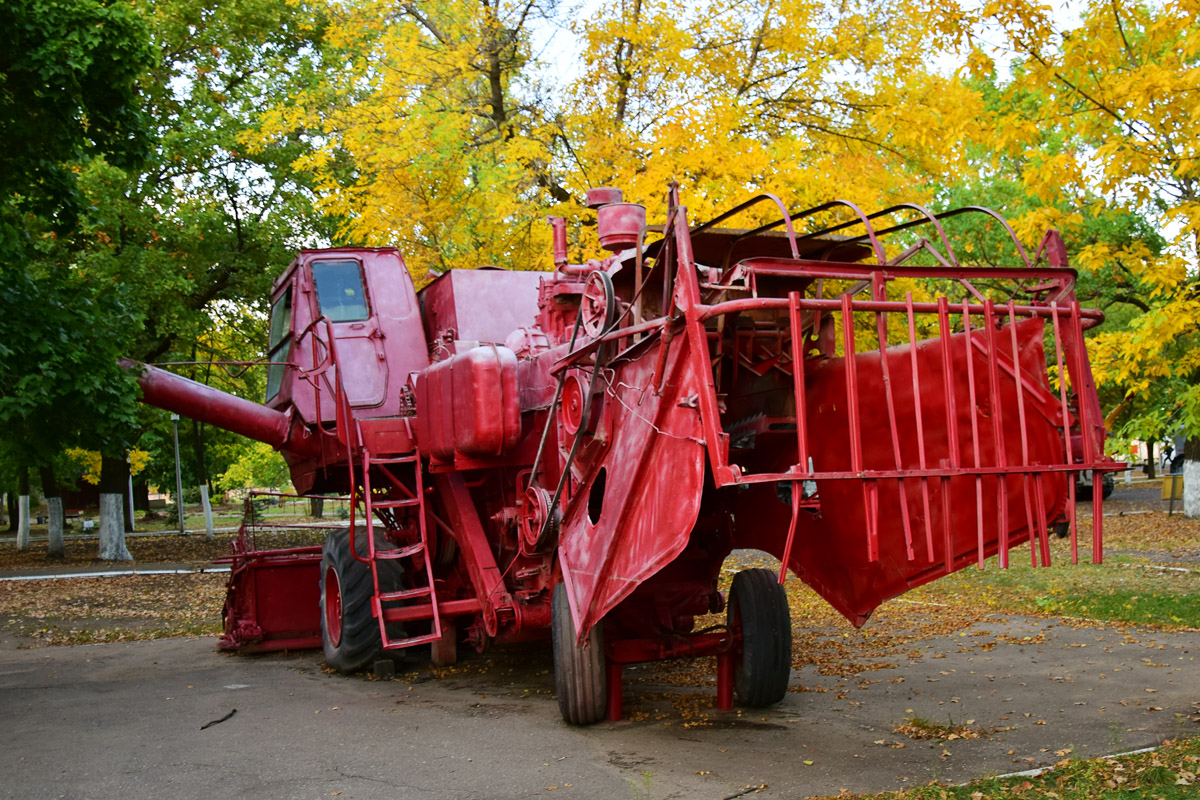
[[576, 453]]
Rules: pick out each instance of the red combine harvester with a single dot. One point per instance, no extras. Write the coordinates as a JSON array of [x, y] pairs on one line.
[[577, 452]]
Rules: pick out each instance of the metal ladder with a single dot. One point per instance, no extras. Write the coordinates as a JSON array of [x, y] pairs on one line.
[[418, 548]]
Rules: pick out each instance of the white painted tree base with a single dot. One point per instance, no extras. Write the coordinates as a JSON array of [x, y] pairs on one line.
[[54, 530], [1191, 488], [112, 528], [23, 522], [209, 531]]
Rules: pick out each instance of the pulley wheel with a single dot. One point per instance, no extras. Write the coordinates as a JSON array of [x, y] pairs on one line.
[[570, 410], [598, 306], [535, 508]]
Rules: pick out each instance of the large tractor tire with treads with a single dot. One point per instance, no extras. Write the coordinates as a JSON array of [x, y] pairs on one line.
[[758, 607], [579, 674], [349, 632]]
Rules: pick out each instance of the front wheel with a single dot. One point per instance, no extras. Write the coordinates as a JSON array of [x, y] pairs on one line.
[[579, 679], [349, 631], [758, 608]]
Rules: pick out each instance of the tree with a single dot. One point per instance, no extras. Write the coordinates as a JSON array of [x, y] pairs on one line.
[[1120, 88], [436, 128], [192, 235], [68, 93], [68, 74], [427, 130], [806, 100], [60, 338]]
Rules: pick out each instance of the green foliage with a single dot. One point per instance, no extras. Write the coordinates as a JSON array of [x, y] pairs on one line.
[[254, 465], [60, 339], [1099, 121], [68, 73]]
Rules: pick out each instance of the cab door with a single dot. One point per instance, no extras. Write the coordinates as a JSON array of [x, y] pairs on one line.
[[341, 295]]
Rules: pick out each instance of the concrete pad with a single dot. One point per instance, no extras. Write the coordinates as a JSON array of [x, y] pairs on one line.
[[124, 720]]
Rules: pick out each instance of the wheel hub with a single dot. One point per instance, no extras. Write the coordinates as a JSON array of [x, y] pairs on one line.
[[333, 606]]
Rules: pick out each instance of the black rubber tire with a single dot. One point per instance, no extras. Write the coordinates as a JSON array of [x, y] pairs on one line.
[[758, 604], [579, 672], [359, 645]]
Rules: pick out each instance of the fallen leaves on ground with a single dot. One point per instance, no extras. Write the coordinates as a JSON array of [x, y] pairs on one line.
[[88, 610], [923, 729], [153, 548]]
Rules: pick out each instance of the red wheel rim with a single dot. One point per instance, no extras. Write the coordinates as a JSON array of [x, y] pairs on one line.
[[333, 607]]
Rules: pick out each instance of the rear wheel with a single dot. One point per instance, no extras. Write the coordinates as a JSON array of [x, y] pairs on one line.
[[579, 674], [758, 607], [349, 632]]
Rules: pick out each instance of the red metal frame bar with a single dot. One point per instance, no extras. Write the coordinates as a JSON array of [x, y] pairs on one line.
[[912, 349]]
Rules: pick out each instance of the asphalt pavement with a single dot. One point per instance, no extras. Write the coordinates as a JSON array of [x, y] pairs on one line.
[[129, 720]]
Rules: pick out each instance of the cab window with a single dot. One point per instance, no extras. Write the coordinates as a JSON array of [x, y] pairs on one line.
[[281, 325], [340, 293]]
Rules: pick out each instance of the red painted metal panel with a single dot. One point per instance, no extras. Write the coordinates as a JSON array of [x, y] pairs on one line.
[[479, 305], [272, 602], [487, 407], [653, 466], [469, 404]]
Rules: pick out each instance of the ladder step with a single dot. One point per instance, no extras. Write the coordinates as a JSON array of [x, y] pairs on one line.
[[406, 594], [403, 552], [396, 460], [396, 644], [395, 503]]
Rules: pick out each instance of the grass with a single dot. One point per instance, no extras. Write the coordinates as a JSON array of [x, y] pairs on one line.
[[1167, 773], [1149, 576], [1122, 590]]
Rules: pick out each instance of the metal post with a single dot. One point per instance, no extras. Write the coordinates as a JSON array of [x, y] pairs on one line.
[[178, 475]]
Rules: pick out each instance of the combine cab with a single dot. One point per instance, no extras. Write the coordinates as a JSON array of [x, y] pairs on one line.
[[576, 453]]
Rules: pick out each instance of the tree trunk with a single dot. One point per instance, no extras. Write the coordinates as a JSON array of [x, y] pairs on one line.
[[141, 497], [114, 482], [316, 507], [209, 533], [14, 511], [23, 510], [54, 507], [1191, 477], [1150, 460]]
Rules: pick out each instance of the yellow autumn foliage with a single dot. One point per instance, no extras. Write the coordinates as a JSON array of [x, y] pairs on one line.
[[88, 461], [1120, 90], [437, 129]]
